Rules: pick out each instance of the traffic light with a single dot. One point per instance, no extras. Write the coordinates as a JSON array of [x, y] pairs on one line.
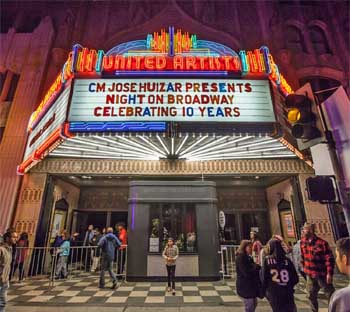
[[302, 115], [322, 189], [302, 118]]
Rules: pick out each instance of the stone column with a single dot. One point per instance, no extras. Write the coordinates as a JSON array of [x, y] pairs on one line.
[[33, 50], [204, 264], [29, 204]]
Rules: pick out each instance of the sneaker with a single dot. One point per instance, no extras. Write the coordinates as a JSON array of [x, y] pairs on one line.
[[169, 289], [174, 292], [115, 284], [101, 286]]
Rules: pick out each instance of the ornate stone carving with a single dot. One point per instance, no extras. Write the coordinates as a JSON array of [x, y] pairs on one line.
[[28, 226], [104, 199], [166, 168], [30, 195]]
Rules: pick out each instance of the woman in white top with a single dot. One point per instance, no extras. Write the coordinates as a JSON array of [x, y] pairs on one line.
[[170, 254]]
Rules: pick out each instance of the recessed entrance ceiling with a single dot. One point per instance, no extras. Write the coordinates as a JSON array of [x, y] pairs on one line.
[[187, 146]]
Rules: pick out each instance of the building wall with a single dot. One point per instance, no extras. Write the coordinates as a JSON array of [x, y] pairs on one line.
[[30, 202], [26, 55], [71, 194], [275, 194], [307, 39]]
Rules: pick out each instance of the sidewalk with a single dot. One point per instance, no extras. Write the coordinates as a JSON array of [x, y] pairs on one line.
[[75, 293], [139, 309]]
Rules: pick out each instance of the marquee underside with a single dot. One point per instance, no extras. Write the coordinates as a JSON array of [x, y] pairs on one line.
[[194, 147]]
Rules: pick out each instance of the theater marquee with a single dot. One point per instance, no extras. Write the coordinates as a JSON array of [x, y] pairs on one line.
[[169, 95], [188, 100]]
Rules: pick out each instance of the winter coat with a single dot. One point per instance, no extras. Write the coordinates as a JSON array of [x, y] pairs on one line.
[[64, 249], [108, 244], [278, 279], [247, 282], [22, 250], [123, 237], [5, 263], [94, 243], [296, 257], [170, 254]]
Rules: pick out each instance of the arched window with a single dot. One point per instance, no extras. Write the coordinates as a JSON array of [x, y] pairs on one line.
[[319, 40], [28, 24], [295, 40], [321, 83]]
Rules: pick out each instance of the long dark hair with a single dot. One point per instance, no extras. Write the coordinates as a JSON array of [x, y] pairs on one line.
[[276, 250], [23, 236], [242, 247]]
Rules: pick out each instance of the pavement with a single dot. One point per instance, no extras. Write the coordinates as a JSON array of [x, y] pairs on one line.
[[82, 292]]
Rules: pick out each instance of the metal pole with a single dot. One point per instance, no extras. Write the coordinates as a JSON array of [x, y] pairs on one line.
[[126, 262], [344, 197]]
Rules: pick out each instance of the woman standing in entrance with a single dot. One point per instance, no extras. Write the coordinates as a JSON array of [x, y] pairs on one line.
[[247, 282], [170, 254], [257, 247]]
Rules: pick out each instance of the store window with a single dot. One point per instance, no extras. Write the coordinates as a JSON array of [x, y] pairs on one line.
[[319, 40], [324, 84], [295, 40], [2, 80], [13, 87], [173, 220], [8, 95], [28, 24]]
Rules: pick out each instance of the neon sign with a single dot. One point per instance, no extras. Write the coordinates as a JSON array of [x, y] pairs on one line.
[[168, 53], [52, 94]]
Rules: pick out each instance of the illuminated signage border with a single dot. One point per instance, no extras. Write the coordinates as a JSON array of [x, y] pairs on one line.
[[167, 100], [168, 54], [185, 55]]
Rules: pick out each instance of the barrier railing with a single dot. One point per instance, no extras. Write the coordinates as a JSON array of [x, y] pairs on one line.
[[53, 263], [228, 258]]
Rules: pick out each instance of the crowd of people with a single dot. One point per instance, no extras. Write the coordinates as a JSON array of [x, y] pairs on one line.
[[94, 252], [271, 271], [19, 253]]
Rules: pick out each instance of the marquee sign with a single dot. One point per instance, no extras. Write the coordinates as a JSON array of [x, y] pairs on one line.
[[168, 53], [180, 100], [110, 92], [52, 120]]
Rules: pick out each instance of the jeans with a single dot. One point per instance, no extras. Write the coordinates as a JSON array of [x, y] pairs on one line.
[[171, 275], [3, 294], [62, 266], [121, 261], [95, 263], [281, 304], [250, 304], [106, 265], [313, 285], [20, 267]]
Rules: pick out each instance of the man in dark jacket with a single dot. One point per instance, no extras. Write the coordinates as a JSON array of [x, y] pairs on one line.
[[96, 251], [108, 244]]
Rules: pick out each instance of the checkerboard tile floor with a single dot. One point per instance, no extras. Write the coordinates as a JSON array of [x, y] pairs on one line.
[[84, 290]]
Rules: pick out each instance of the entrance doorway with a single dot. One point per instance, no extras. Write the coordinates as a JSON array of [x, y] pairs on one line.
[[119, 217], [287, 221], [99, 219]]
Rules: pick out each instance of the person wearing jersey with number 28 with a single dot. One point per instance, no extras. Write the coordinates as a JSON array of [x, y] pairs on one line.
[[278, 277]]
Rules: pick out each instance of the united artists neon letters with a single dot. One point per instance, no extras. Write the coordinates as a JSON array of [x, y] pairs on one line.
[[172, 51]]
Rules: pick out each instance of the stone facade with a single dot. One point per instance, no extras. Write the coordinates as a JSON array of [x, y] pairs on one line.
[[309, 40]]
